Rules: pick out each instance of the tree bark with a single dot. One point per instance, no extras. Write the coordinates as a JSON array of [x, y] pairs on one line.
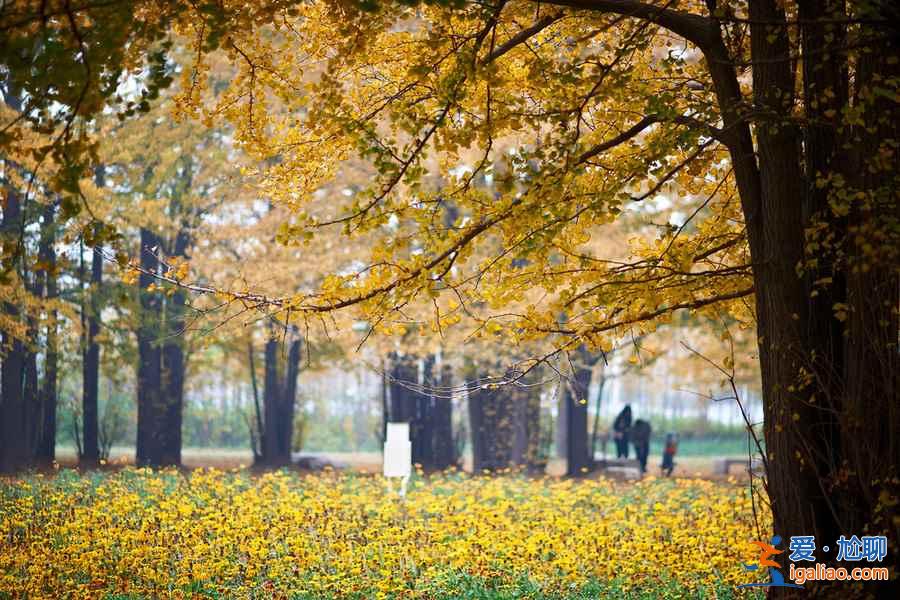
[[492, 420], [33, 408], [173, 358], [575, 392], [289, 400], [91, 365], [46, 450], [279, 397], [422, 426], [151, 405], [444, 450], [257, 450], [271, 394], [526, 406], [15, 447]]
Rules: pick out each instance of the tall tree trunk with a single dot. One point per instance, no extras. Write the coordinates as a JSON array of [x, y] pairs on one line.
[[90, 380], [174, 367], [423, 421], [595, 429], [575, 393], [279, 397], [828, 338], [34, 409], [260, 429], [491, 418], [271, 394], [289, 398], [15, 447], [526, 406], [413, 407], [561, 427], [404, 373], [444, 449], [46, 450], [151, 405]]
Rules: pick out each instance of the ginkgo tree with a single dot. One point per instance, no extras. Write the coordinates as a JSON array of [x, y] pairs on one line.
[[772, 124]]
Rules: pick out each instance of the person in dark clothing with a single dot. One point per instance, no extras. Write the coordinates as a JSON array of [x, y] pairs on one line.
[[668, 462], [621, 428], [640, 437]]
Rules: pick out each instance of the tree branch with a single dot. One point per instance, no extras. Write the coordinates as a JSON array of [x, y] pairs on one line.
[[619, 139], [522, 37], [699, 30]]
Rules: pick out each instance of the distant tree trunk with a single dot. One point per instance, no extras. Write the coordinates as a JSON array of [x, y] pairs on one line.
[[575, 392], [491, 417], [404, 373], [15, 445], [422, 426], [174, 363], [151, 406], [526, 406], [560, 431], [260, 429], [34, 414], [444, 448], [279, 397], [271, 394], [289, 401], [595, 430], [46, 450], [414, 407], [91, 365], [385, 394]]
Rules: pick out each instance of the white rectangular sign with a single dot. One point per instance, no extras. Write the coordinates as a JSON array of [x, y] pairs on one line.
[[397, 451]]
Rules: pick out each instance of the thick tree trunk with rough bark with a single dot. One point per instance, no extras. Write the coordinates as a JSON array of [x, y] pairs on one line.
[[828, 353]]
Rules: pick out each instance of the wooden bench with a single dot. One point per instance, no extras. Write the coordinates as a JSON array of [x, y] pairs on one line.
[[626, 466], [722, 466]]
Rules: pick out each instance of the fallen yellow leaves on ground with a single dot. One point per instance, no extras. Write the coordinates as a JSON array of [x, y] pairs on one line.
[[139, 533]]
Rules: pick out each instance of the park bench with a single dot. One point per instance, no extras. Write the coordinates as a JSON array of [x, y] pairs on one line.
[[626, 466], [722, 466]]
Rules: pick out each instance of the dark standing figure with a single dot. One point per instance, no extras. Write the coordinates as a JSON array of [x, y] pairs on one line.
[[640, 437], [668, 462], [621, 428]]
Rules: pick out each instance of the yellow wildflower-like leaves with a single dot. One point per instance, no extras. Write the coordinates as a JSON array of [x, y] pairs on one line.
[[165, 534]]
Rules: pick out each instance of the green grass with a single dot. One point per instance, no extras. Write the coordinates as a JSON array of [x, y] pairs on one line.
[[707, 446]]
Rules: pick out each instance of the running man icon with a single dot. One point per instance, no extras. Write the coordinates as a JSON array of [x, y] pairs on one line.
[[766, 551]]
